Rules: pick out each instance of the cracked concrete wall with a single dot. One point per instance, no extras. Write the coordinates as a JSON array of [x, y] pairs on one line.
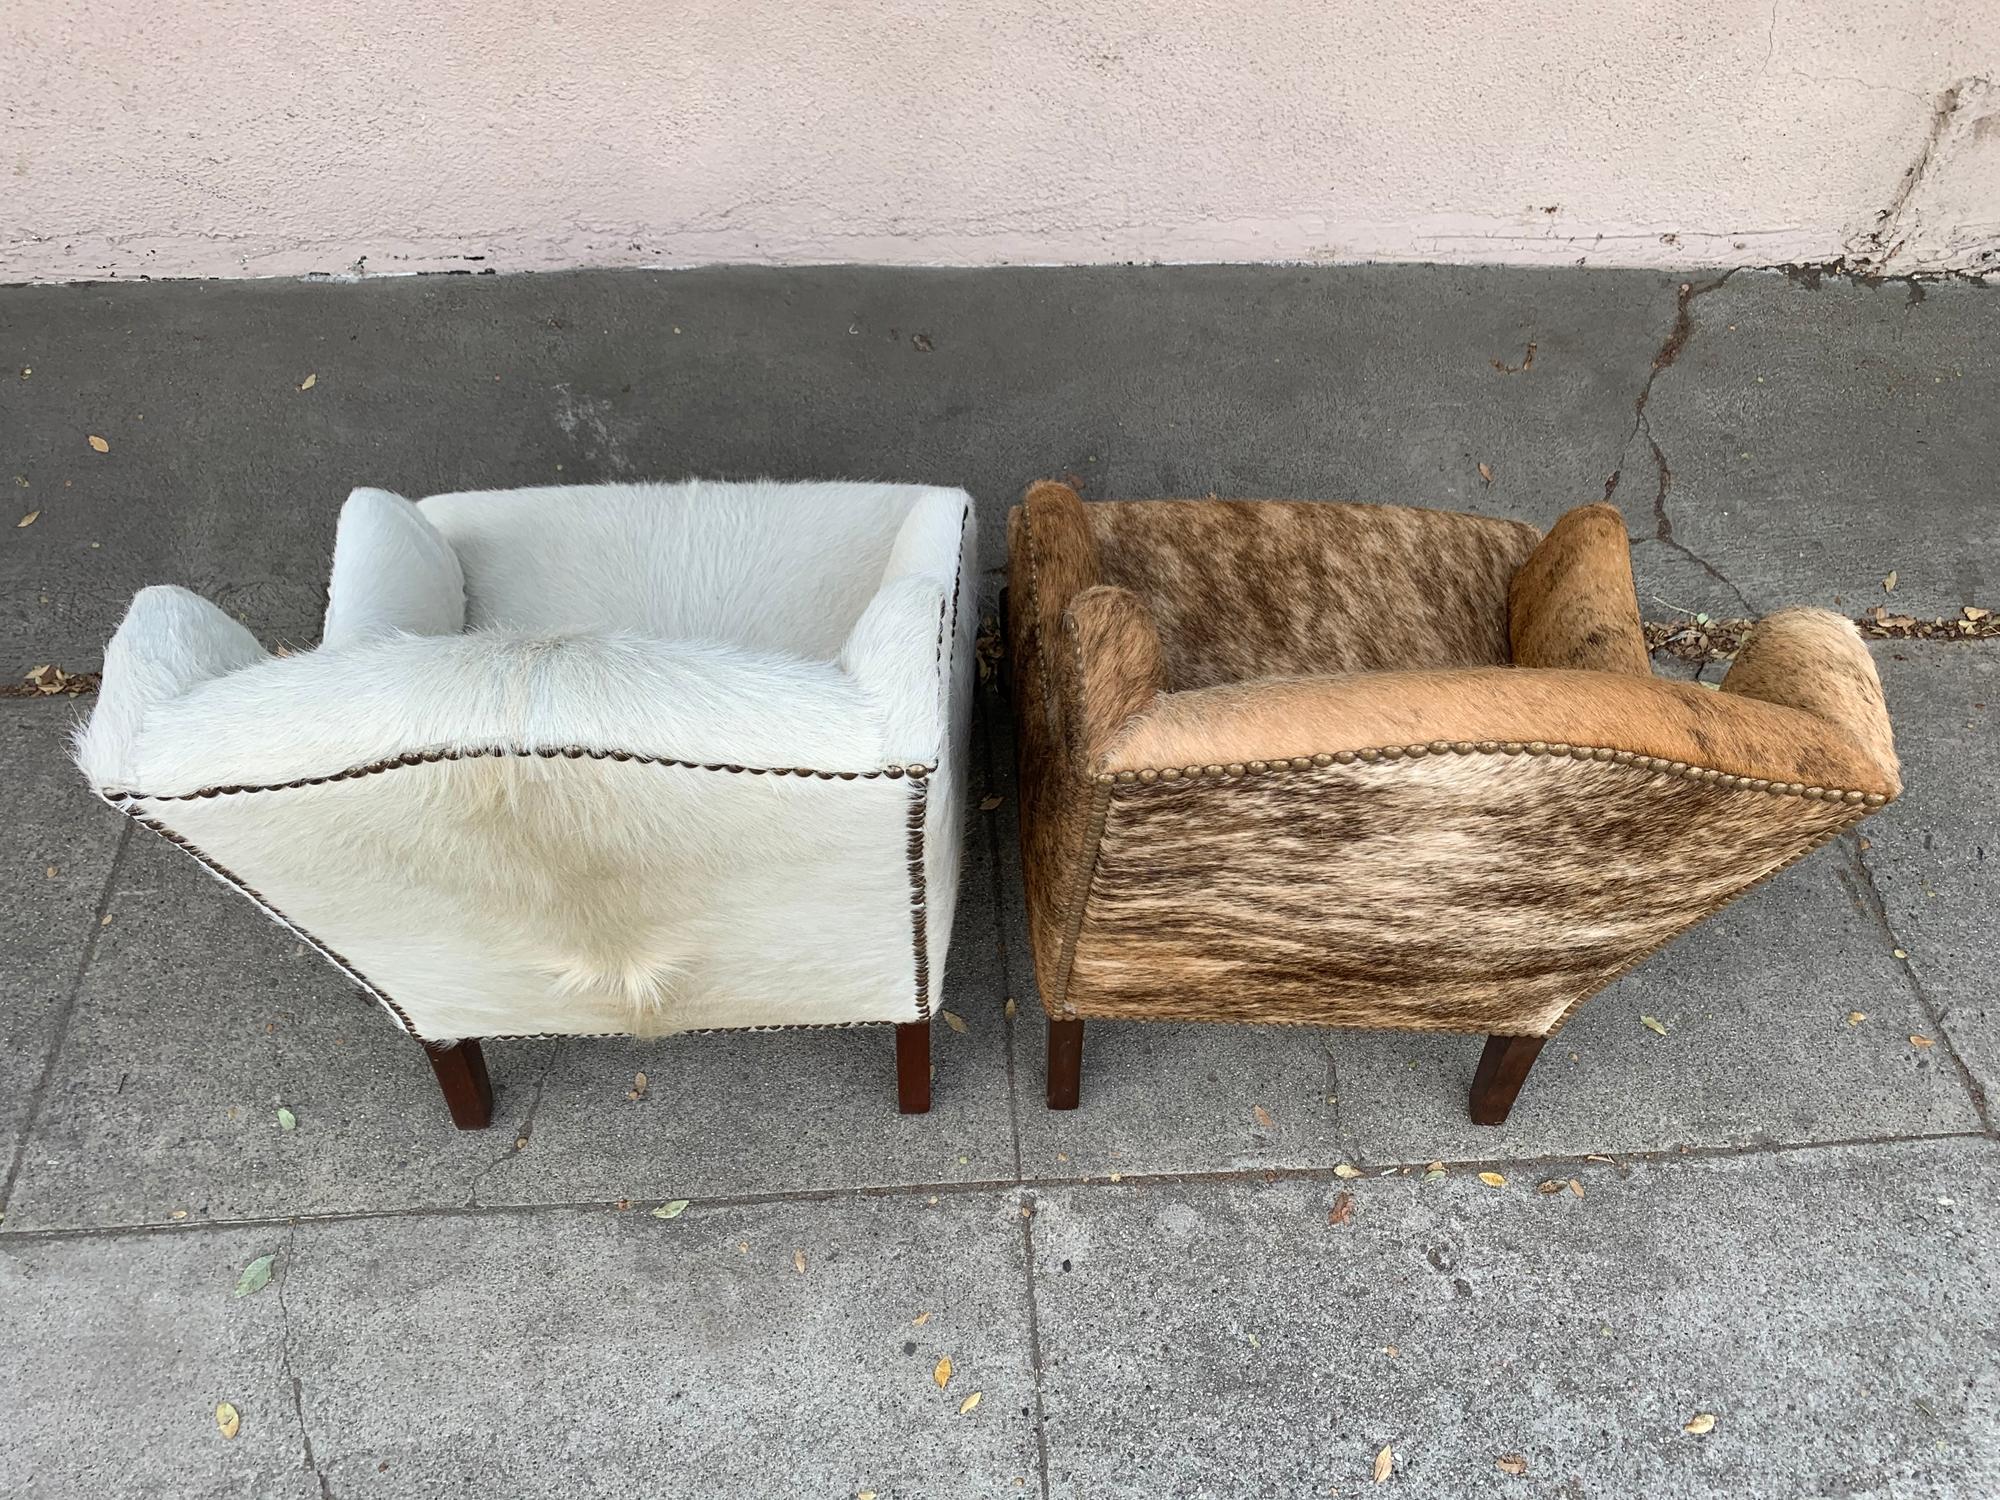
[[281, 139]]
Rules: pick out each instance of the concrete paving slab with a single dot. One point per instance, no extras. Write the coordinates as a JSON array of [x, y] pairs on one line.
[[1358, 382], [762, 1112], [198, 1018], [1935, 852], [1834, 1310], [606, 1354], [59, 850], [1759, 1046], [119, 1350], [1820, 433]]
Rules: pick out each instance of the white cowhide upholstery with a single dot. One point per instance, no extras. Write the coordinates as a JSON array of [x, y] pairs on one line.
[[621, 758]]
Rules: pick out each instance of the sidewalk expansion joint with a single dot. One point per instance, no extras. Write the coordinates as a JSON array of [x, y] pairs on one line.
[[1871, 897], [1570, 1163]]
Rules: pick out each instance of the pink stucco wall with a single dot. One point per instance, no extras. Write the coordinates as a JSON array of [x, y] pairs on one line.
[[273, 137]]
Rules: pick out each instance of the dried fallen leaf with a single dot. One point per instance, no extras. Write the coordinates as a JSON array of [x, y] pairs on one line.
[[671, 1210], [1343, 1208], [310, 381], [1492, 1179], [286, 1119], [1701, 1422], [1856, 1017], [1433, 1174], [921, 1318], [1975, 615], [1263, 1117], [799, 1261], [941, 1372], [968, 1403], [1889, 582], [99, 444], [1486, 472], [27, 520], [228, 1421], [1653, 1023], [1900, 953], [987, 804], [1010, 1009], [955, 1021], [1385, 1461], [638, 1089], [1511, 1463], [865, 1495], [1575, 1188], [1553, 1185], [1347, 1171], [256, 1276], [1921, 1041], [921, 342]]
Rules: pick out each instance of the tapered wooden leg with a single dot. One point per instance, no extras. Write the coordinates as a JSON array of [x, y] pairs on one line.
[[913, 1068], [1065, 1063], [1503, 1068], [461, 1073]]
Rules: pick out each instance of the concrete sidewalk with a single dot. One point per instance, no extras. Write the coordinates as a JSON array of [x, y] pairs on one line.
[[1787, 1215]]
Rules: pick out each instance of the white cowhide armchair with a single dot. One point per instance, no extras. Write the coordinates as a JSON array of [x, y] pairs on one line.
[[624, 759]]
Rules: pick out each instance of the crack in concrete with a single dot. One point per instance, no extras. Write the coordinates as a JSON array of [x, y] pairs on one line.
[[1871, 898], [1668, 353], [1571, 1162], [523, 1135], [1878, 247], [308, 1462]]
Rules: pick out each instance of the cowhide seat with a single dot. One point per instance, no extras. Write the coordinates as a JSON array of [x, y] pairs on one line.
[[1350, 765], [635, 758]]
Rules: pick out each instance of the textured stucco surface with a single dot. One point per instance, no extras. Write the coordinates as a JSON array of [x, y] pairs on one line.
[[372, 134]]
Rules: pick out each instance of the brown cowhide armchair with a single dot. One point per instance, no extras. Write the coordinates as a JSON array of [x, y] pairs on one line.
[[1351, 765]]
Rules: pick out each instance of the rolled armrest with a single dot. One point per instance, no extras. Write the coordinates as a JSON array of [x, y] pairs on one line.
[[1106, 668], [392, 571], [1573, 603], [1681, 723], [1049, 533], [1815, 661]]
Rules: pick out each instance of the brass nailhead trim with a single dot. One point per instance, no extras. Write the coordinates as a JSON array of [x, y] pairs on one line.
[[1703, 775], [547, 752]]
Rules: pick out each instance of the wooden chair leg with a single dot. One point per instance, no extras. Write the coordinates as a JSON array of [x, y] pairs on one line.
[[461, 1073], [913, 1068], [1065, 1063], [1503, 1068]]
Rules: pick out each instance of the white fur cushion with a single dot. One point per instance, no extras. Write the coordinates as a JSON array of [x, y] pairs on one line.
[[586, 759]]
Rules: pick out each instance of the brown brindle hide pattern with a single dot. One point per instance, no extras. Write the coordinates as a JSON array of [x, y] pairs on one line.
[[1055, 789], [1481, 892], [1282, 588], [1573, 603]]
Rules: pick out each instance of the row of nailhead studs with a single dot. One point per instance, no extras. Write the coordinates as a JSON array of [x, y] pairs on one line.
[[1494, 747], [568, 752]]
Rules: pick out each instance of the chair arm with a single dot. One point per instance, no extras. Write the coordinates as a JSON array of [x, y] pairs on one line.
[[169, 642], [1573, 604], [1104, 671], [1054, 558], [392, 570], [1815, 662], [1680, 724]]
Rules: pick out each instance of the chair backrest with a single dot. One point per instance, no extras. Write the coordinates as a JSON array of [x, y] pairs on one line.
[[773, 567], [1308, 588]]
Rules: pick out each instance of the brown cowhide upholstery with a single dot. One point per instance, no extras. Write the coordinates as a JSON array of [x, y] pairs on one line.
[[1366, 766]]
